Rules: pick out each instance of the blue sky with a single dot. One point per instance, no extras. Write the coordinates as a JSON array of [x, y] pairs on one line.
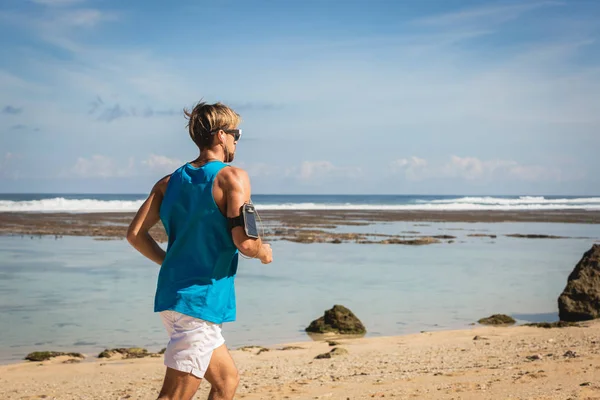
[[427, 97]]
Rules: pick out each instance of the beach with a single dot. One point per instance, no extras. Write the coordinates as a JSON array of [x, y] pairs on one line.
[[476, 363], [418, 279]]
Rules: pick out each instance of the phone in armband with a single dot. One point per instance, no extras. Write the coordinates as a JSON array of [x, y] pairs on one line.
[[249, 216], [247, 220]]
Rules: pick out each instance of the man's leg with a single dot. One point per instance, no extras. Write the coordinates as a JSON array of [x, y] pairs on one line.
[[179, 385], [222, 374]]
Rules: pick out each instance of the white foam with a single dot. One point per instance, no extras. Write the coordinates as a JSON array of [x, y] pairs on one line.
[[427, 207], [523, 200], [60, 204]]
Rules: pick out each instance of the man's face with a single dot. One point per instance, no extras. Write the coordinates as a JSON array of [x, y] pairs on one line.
[[231, 138]]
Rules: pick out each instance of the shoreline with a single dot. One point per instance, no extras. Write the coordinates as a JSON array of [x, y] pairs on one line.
[[297, 225], [91, 354], [475, 363]]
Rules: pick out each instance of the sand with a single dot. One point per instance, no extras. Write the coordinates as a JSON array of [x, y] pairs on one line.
[[504, 363]]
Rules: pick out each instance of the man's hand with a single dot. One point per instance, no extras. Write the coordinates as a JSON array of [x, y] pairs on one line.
[[266, 253]]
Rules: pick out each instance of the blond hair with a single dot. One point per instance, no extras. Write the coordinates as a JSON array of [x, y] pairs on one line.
[[205, 119]]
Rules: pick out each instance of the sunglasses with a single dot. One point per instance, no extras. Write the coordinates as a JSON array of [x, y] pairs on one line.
[[236, 133]]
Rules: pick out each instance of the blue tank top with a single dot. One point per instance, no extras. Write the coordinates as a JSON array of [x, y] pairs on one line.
[[197, 275]]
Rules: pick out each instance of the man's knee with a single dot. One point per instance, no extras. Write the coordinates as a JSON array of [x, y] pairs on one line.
[[229, 382]]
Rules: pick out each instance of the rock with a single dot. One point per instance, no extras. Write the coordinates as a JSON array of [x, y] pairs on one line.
[[548, 325], [259, 349], [482, 235], [333, 343], [480, 338], [285, 348], [130, 352], [580, 301], [47, 355], [534, 357], [444, 237], [570, 354], [528, 236], [336, 351], [337, 320], [414, 242], [497, 319]]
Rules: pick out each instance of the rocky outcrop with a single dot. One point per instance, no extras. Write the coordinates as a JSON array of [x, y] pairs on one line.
[[580, 301], [335, 352], [497, 319], [131, 352], [337, 320], [47, 355], [534, 236]]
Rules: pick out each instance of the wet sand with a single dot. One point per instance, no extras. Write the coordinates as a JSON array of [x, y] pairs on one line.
[[502, 363]]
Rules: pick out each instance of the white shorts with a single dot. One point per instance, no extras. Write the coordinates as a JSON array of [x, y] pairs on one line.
[[192, 342]]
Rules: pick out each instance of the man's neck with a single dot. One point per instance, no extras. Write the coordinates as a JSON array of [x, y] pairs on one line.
[[210, 155]]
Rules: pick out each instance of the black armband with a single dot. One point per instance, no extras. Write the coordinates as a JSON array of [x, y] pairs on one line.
[[246, 219]]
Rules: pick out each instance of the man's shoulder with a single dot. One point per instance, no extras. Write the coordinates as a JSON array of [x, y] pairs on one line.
[[233, 173], [161, 185]]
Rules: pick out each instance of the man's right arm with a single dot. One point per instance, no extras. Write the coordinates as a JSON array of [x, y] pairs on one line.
[[237, 193]]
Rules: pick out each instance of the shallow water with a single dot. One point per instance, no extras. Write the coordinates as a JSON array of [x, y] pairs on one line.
[[80, 294]]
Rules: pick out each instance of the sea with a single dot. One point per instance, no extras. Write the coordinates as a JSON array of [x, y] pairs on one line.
[[79, 294]]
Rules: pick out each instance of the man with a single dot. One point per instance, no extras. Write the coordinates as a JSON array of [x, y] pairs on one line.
[[195, 294]]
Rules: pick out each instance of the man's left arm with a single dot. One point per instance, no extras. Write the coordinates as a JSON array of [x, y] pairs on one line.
[[138, 233]]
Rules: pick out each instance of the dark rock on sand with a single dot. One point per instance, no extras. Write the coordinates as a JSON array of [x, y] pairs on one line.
[[444, 237], [286, 348], [570, 354], [415, 242], [534, 236], [580, 301], [130, 352], [47, 355], [336, 351], [482, 235], [497, 319], [548, 325], [337, 320]]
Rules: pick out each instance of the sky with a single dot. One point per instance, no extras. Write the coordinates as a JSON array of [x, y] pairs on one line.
[[336, 97]]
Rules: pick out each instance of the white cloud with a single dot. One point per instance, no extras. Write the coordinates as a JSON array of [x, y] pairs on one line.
[[162, 164], [414, 168], [260, 169], [85, 17], [58, 3], [6, 169], [472, 168], [475, 169], [486, 14], [323, 169], [99, 166]]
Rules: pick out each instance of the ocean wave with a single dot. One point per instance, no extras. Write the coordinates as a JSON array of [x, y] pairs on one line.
[[427, 207], [523, 200], [60, 204]]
